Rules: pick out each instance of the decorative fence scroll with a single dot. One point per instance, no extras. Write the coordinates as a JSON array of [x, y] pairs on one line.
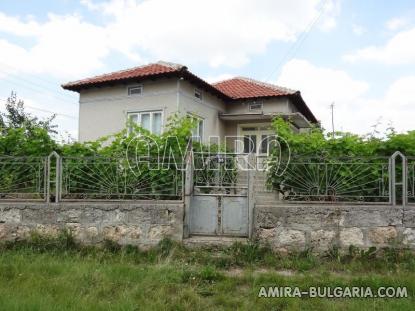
[[23, 178], [364, 180], [97, 178], [377, 180]]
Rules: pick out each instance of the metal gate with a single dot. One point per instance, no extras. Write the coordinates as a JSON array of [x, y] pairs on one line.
[[219, 204]]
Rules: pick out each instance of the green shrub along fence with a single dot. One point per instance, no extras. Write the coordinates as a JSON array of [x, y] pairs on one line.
[[55, 178], [377, 180], [23, 178]]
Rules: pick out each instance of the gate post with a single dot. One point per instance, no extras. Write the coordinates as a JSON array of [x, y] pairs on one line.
[[392, 178], [188, 191], [252, 167], [57, 181]]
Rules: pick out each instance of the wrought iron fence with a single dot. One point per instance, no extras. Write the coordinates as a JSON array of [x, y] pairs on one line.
[[98, 178], [410, 193], [54, 178], [362, 180], [23, 178]]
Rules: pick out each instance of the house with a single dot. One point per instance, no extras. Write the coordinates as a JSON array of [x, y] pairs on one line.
[[149, 94]]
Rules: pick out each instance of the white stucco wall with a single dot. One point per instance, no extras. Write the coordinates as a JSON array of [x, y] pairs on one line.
[[103, 111], [268, 106], [208, 109]]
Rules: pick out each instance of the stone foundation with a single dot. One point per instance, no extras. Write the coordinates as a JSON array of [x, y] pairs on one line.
[[321, 226], [285, 227], [139, 223]]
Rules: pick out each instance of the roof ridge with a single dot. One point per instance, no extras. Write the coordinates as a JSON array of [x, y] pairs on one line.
[[223, 80], [160, 62], [176, 66]]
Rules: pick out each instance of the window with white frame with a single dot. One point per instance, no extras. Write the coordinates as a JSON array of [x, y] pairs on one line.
[[255, 106], [197, 131], [198, 94], [149, 120], [135, 90]]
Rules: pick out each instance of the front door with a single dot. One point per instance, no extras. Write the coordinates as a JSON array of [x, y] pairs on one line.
[[255, 138]]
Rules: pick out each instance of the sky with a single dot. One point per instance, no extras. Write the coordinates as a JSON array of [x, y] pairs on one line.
[[359, 55]]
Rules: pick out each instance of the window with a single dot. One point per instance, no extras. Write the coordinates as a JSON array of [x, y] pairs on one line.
[[255, 106], [198, 94], [149, 120], [197, 132], [249, 143], [135, 90]]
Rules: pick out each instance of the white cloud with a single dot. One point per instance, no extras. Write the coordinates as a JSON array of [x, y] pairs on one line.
[[65, 46], [218, 32], [215, 32], [396, 23], [16, 26], [400, 49], [358, 30], [330, 12], [354, 110]]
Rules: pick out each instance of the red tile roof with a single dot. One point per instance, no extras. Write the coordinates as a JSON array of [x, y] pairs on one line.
[[243, 88], [151, 70], [232, 89]]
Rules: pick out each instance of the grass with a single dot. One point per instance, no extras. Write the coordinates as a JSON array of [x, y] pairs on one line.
[[57, 274]]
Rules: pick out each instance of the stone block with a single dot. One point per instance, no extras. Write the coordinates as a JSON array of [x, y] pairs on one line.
[[409, 237], [159, 232], [370, 216], [267, 235], [351, 236], [10, 216], [382, 235], [409, 217], [307, 217], [290, 239], [119, 232], [69, 216], [39, 216], [47, 230], [322, 239]]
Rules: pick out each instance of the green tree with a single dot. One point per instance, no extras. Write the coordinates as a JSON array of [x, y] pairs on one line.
[[22, 134]]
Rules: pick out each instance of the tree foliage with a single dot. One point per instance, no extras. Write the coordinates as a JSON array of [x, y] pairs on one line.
[[316, 144], [22, 134]]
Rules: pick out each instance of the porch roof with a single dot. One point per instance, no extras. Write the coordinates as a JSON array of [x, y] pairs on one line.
[[296, 118]]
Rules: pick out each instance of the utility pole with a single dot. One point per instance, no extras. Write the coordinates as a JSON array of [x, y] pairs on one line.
[[332, 117]]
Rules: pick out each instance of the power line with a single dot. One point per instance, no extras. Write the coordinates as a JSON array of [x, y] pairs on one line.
[[34, 87], [45, 110], [332, 117], [293, 49], [45, 81]]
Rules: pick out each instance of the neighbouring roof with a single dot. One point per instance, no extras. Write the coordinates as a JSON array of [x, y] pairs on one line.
[[237, 88], [243, 88], [240, 88]]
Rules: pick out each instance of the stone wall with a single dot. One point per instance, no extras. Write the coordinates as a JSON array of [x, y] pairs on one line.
[[283, 226], [302, 226], [139, 223]]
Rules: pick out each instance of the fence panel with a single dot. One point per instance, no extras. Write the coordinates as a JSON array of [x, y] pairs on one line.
[[360, 180], [220, 173], [99, 178], [410, 193], [23, 178]]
